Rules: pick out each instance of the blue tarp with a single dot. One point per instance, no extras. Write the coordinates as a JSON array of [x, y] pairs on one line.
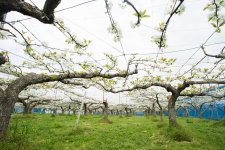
[[215, 111]]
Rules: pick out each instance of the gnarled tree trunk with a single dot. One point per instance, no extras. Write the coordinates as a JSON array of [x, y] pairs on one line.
[[7, 103], [172, 111]]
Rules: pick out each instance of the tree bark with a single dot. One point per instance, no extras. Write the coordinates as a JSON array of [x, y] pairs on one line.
[[45, 16], [172, 110], [6, 107]]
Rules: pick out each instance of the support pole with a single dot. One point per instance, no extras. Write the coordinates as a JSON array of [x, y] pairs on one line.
[[78, 115]]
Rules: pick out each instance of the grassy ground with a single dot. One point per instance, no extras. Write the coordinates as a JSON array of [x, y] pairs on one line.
[[44, 132]]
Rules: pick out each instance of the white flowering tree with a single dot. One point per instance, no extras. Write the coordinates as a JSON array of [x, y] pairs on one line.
[[60, 65]]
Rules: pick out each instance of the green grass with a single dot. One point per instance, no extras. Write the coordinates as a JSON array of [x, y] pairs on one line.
[[44, 132]]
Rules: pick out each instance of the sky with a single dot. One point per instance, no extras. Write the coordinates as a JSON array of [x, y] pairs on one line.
[[185, 32]]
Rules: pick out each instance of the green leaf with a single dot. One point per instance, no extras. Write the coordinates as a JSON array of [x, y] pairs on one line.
[[214, 25]]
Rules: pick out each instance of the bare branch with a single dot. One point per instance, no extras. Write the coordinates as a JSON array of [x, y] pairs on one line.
[[167, 23], [138, 14], [27, 43], [221, 55]]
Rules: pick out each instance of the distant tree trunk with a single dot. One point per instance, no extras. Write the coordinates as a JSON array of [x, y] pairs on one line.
[[26, 108], [160, 108], [69, 109], [30, 109], [54, 110], [185, 111], [106, 109], [153, 109], [117, 112], [74, 111], [121, 112], [90, 111], [130, 112], [62, 109], [85, 108], [44, 111], [111, 112], [126, 110], [148, 111]]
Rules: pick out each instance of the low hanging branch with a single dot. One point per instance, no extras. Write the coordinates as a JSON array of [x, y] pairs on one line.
[[45, 16]]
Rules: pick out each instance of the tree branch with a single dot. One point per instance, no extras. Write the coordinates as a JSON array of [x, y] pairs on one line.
[[138, 14], [168, 87], [221, 55], [202, 94], [167, 23], [45, 16]]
